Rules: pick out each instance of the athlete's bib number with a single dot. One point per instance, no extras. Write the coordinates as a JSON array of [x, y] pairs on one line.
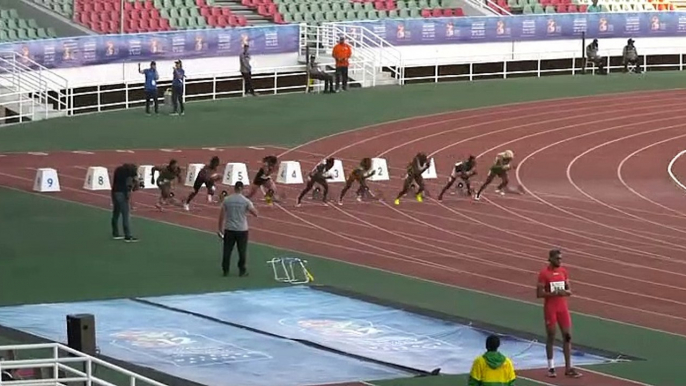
[[556, 286]]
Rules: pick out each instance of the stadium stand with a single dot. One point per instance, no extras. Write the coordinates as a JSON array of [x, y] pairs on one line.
[[575, 6], [317, 12], [15, 28]]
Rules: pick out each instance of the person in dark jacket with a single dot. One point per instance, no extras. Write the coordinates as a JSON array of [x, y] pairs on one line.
[[593, 57], [492, 368], [317, 73], [246, 70], [630, 56], [124, 181], [179, 78]]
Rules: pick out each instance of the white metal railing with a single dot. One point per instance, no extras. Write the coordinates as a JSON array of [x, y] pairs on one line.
[[322, 39], [30, 88], [63, 365], [573, 58], [371, 49]]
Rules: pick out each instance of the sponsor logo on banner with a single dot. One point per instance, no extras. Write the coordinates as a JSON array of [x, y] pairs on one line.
[[182, 348], [365, 334]]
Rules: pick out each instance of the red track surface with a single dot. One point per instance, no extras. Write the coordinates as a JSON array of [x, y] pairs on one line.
[[595, 175]]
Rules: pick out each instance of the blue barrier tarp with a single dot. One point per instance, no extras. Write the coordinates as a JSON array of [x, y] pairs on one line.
[[195, 348], [365, 329]]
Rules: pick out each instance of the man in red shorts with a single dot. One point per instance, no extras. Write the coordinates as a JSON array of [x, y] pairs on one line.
[[553, 286]]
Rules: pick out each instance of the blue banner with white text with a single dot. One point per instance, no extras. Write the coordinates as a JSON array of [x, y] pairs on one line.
[[403, 32], [193, 44]]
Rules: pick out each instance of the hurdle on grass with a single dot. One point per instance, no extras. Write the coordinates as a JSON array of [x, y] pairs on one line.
[[291, 270]]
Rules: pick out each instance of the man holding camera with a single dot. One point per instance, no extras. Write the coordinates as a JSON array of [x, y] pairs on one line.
[[124, 181]]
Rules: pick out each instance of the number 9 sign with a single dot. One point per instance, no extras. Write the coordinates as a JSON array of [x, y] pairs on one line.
[[50, 182]]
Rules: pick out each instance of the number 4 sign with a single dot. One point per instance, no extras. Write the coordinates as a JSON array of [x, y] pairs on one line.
[[290, 172]]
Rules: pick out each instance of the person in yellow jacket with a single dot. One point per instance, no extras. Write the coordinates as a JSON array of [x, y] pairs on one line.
[[492, 368]]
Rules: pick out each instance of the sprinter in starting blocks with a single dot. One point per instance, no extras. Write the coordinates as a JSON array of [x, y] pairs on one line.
[[291, 270]]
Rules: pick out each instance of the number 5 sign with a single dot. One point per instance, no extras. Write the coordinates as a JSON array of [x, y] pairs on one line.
[[235, 172]]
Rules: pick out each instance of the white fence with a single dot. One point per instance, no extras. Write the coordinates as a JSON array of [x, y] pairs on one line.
[[539, 64], [62, 365], [31, 90]]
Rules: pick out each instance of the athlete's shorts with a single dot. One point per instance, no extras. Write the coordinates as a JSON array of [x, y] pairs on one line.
[[557, 316], [200, 181]]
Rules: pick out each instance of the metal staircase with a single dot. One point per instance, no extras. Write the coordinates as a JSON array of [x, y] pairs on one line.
[[29, 91], [375, 62]]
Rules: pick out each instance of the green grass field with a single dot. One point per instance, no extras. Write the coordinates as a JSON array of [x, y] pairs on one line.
[[53, 250]]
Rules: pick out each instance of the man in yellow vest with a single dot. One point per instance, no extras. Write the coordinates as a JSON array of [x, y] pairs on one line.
[[492, 368]]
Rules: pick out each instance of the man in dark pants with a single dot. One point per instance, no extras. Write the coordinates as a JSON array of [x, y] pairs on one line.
[[246, 70], [317, 73], [233, 228], [342, 53], [151, 78], [124, 181], [630, 56], [177, 88]]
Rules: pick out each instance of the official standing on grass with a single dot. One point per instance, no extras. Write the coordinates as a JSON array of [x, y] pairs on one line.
[[233, 228], [124, 181], [178, 82], [246, 70], [151, 78]]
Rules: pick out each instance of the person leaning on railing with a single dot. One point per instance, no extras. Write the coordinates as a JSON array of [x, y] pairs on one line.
[[592, 57], [246, 70], [630, 56]]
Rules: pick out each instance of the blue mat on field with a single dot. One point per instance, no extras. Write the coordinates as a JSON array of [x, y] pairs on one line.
[[372, 331], [195, 348]]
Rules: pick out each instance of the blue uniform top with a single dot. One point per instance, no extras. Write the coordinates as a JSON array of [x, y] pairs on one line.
[[179, 75], [150, 79]]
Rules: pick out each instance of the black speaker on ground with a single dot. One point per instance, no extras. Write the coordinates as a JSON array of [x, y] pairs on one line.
[[81, 333]]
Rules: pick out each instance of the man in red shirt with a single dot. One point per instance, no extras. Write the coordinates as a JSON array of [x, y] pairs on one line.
[[553, 286]]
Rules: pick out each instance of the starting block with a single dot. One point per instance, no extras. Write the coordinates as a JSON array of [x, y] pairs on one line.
[[97, 178], [192, 172], [46, 181], [290, 270], [430, 173], [235, 172], [290, 173], [337, 172], [380, 167], [145, 176]]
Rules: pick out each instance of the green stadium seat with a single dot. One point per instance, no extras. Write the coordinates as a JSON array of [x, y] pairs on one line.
[[33, 24], [393, 14], [51, 32], [414, 13], [191, 22], [178, 4], [292, 8], [549, 9], [22, 34], [164, 12], [357, 7], [14, 14], [369, 7], [159, 4], [403, 13], [190, 4], [282, 9], [174, 13], [288, 18], [423, 4], [527, 10], [168, 4], [42, 33], [298, 18], [340, 15], [12, 35], [183, 13], [4, 14], [3, 36], [538, 9], [347, 6], [329, 16], [350, 15], [302, 8], [335, 7], [372, 15], [194, 12]]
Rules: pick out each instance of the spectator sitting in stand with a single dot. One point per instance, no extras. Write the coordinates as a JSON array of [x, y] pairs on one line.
[[630, 56], [594, 7]]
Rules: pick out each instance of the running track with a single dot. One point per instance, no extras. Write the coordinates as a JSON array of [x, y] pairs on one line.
[[594, 173]]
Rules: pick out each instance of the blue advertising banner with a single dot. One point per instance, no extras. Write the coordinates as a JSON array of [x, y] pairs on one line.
[[524, 27], [194, 44]]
